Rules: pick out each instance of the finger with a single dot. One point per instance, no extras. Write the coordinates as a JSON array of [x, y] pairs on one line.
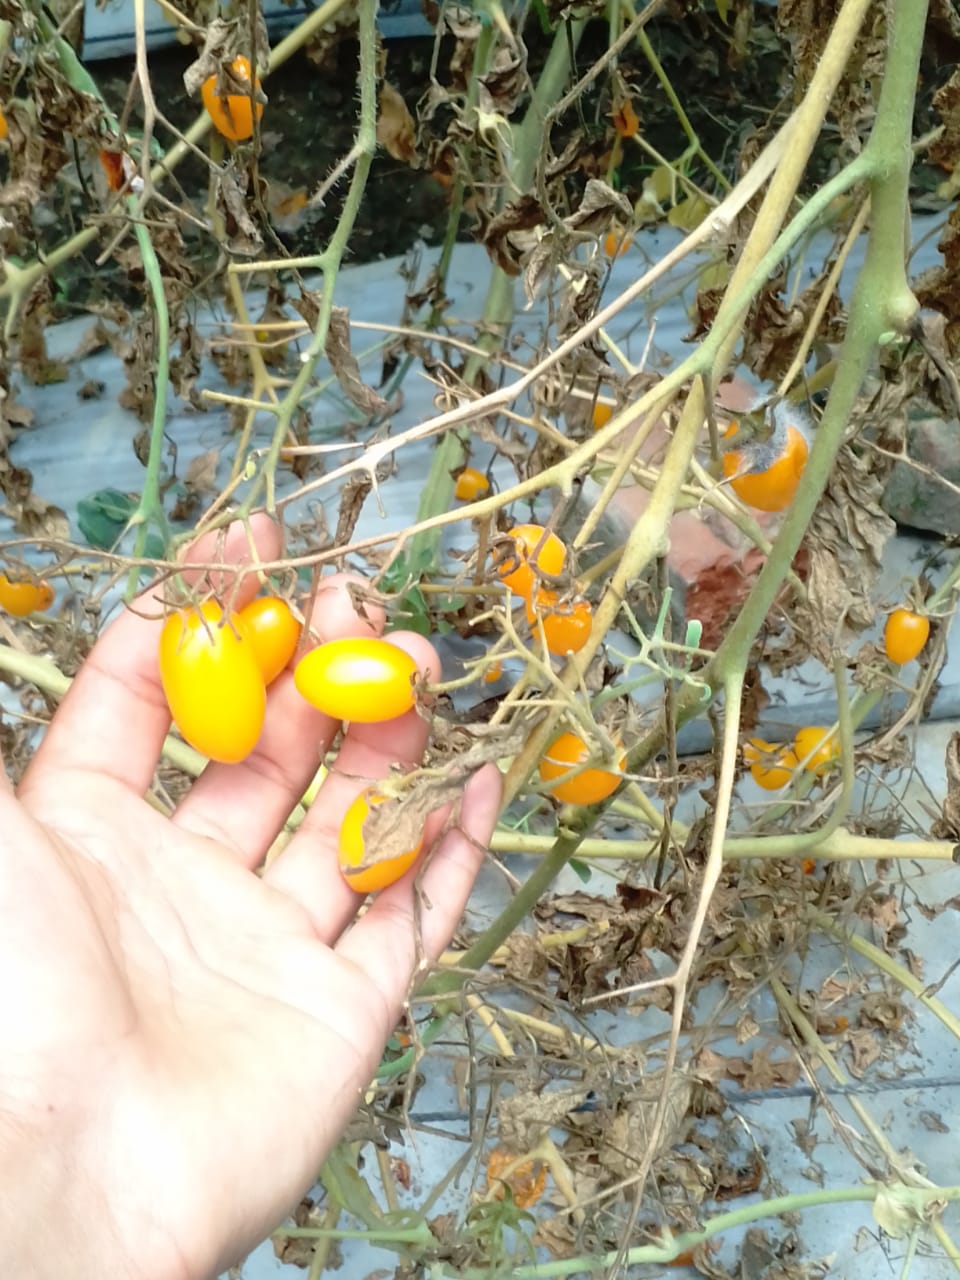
[[307, 870], [244, 805], [384, 941], [114, 717]]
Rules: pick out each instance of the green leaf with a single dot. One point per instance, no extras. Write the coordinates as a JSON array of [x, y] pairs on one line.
[[104, 515], [581, 869], [412, 613]]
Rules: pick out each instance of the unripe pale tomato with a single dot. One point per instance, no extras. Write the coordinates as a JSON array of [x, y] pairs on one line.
[[590, 785], [23, 596], [273, 633], [515, 568], [826, 750], [905, 635], [351, 848], [213, 685], [766, 474], [231, 114], [471, 484], [362, 680], [771, 766], [566, 626]]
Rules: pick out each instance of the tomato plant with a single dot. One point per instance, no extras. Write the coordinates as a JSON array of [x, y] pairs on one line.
[[23, 596], [213, 685], [273, 632], [816, 740], [471, 484], [765, 475], [364, 680], [771, 766], [590, 785], [905, 635], [516, 569], [351, 850], [566, 626], [232, 114]]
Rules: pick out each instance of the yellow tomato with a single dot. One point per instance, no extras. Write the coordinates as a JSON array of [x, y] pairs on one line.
[[273, 632], [231, 113], [515, 568], [905, 635], [771, 766], [566, 626], [765, 475], [825, 752], [363, 680], [351, 850], [590, 785], [471, 484], [213, 685], [23, 596]]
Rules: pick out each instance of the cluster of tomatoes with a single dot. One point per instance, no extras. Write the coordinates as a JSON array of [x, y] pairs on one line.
[[215, 669]]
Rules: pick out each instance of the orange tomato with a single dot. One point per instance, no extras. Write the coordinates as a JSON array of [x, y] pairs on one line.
[[905, 635], [471, 484], [616, 242], [23, 596], [590, 786], [625, 119], [364, 680], [825, 750], [115, 169], [771, 766], [273, 633], [765, 475], [493, 673], [212, 683], [232, 114], [526, 1181], [351, 850], [602, 413], [4, 127], [566, 626], [515, 569]]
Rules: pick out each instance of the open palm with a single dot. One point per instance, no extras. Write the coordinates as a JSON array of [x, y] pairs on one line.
[[182, 1039]]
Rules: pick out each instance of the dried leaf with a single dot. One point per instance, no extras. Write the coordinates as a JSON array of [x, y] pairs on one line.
[[345, 366], [201, 474], [947, 826], [395, 130], [627, 1138]]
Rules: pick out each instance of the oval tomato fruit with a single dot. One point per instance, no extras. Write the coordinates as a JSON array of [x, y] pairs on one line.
[[590, 785], [362, 680], [351, 850], [231, 113], [23, 596], [766, 475], [212, 683], [771, 766], [566, 626], [471, 484], [531, 542], [273, 632], [905, 635], [814, 741]]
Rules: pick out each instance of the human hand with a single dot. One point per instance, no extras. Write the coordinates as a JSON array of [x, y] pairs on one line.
[[183, 1040]]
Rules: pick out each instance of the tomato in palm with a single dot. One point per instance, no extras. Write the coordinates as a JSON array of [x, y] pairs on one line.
[[905, 635], [273, 633], [765, 474], [362, 680], [213, 685], [471, 484], [23, 596], [531, 543], [816, 742], [566, 626], [771, 766], [590, 786], [231, 113], [351, 850]]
